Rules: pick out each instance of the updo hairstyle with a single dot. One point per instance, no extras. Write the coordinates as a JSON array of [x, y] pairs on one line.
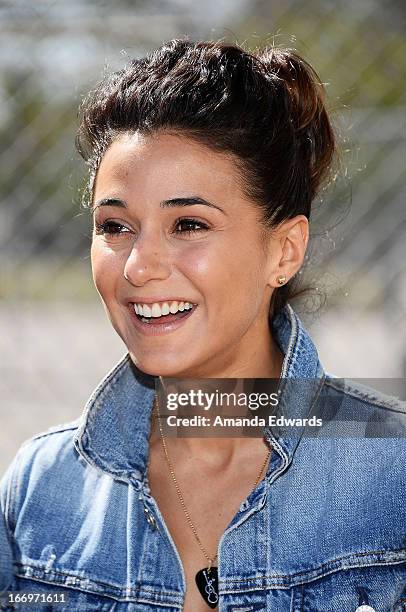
[[266, 108]]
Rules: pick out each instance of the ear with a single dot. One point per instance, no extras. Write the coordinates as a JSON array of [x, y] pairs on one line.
[[289, 242]]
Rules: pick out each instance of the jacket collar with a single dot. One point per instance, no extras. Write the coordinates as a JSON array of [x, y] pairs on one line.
[[113, 434]]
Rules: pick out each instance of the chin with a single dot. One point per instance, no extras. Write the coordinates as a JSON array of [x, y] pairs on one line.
[[167, 368]]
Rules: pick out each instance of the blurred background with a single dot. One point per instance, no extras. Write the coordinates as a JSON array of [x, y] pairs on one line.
[[55, 340]]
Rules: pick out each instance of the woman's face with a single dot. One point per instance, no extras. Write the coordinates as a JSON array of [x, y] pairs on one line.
[[172, 225]]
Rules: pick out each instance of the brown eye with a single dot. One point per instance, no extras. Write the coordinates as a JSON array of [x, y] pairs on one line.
[[190, 226], [110, 228]]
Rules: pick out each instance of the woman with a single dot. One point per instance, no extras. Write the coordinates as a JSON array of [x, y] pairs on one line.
[[204, 161]]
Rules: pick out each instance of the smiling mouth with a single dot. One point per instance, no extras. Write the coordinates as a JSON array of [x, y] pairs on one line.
[[162, 314]]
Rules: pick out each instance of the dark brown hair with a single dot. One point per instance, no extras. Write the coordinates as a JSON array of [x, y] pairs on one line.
[[266, 108]]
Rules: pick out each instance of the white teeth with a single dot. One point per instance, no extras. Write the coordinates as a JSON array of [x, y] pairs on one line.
[[146, 311], [156, 310], [173, 308]]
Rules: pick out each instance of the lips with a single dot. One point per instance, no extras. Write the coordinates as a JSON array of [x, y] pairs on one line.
[[160, 324]]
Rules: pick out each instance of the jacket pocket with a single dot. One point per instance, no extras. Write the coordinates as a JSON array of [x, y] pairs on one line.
[[57, 597], [379, 588]]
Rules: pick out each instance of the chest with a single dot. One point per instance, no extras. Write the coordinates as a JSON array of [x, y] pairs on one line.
[[196, 539], [307, 544], [197, 505]]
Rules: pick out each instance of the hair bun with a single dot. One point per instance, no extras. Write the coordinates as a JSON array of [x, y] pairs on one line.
[[307, 108]]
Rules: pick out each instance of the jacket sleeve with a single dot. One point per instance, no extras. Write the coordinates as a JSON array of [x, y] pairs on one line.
[[6, 556]]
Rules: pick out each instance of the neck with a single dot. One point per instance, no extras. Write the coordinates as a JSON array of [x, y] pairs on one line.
[[219, 452]]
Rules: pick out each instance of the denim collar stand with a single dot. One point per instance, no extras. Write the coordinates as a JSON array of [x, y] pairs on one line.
[[114, 429]]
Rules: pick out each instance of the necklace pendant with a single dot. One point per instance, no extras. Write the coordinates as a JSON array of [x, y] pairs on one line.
[[207, 583]]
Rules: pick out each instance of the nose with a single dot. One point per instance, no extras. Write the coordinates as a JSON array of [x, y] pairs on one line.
[[146, 261]]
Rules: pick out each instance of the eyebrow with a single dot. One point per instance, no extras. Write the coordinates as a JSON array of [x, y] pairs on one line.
[[172, 203]]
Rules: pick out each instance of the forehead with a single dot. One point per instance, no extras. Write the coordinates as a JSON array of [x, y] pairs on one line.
[[162, 163]]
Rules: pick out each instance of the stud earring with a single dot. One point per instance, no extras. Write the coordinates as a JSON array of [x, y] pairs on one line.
[[281, 280]]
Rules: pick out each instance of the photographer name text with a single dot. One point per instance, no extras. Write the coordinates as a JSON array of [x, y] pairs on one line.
[[254, 421]]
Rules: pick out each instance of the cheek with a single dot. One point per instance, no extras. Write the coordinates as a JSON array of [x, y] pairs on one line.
[[231, 277], [106, 268], [207, 267]]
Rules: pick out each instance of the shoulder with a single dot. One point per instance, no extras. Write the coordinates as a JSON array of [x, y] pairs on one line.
[[364, 432], [46, 447], [377, 414], [354, 464], [37, 458], [55, 437], [358, 392]]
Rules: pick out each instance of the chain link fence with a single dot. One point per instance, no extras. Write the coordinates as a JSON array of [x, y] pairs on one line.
[[56, 342]]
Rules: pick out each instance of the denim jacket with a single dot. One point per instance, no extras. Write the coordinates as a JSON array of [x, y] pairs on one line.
[[324, 531]]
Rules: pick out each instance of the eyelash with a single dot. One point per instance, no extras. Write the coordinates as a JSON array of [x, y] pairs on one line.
[[107, 226]]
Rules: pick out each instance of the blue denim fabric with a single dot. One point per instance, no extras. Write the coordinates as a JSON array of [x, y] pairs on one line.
[[324, 531]]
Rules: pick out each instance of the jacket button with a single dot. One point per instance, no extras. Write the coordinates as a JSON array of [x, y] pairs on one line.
[[365, 609], [150, 519]]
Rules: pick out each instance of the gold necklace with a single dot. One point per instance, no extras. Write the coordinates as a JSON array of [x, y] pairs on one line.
[[207, 578]]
